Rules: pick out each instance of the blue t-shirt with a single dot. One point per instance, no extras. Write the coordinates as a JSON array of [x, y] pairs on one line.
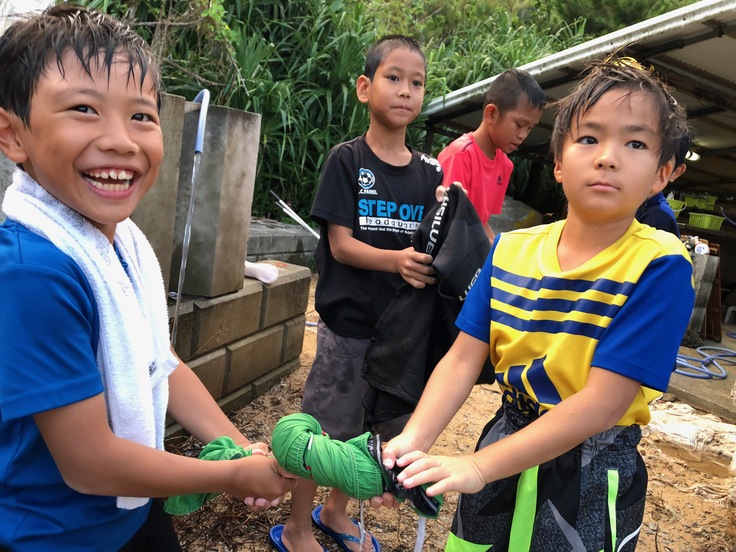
[[50, 329]]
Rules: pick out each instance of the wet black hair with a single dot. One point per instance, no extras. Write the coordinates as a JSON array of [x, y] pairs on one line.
[[616, 73], [32, 43]]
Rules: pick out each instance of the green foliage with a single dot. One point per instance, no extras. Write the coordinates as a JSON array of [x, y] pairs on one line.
[[602, 17], [296, 63]]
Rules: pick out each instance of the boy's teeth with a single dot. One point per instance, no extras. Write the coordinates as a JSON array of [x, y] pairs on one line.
[[111, 187], [113, 174], [111, 181]]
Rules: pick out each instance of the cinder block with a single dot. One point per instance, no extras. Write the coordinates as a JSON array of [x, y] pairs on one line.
[[288, 296], [237, 399], [263, 384], [254, 356], [225, 319], [156, 213], [223, 194], [184, 328], [293, 338], [210, 369]]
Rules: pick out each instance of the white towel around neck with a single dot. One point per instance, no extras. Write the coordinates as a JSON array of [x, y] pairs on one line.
[[133, 355]]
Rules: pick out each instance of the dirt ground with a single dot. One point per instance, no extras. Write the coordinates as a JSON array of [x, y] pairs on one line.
[[688, 508]]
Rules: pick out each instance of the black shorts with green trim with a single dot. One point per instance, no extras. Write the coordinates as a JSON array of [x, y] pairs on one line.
[[590, 499]]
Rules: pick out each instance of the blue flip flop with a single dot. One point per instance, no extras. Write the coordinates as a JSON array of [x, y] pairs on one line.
[[340, 538], [274, 535]]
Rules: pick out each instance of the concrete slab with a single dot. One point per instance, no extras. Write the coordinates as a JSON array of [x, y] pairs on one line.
[[276, 241], [711, 395]]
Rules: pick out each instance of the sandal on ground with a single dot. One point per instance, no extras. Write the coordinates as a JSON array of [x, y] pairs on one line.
[[341, 538], [274, 535]]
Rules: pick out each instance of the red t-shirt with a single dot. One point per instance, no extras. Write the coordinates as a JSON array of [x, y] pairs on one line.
[[484, 179]]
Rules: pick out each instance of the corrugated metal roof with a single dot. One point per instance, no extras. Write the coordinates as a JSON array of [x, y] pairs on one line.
[[693, 48]]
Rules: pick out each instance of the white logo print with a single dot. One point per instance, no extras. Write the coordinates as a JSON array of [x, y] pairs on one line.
[[431, 161]]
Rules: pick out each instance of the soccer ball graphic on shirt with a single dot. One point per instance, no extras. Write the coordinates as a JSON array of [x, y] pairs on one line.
[[366, 179]]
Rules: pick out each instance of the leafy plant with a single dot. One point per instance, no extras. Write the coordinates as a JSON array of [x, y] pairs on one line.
[[296, 63]]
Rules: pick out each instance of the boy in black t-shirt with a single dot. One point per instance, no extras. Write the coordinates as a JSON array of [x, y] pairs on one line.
[[373, 193]]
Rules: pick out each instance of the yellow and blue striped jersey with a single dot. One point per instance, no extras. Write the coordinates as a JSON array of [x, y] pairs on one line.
[[624, 310]]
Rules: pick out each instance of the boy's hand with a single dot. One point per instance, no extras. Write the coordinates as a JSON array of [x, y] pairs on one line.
[[441, 190], [397, 446], [458, 473], [261, 476], [257, 448], [402, 444], [253, 503], [439, 193], [416, 268], [386, 500]]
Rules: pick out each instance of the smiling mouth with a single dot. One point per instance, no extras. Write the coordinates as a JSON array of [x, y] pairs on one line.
[[110, 181]]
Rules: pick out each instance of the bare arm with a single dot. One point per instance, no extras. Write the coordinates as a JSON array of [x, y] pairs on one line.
[[193, 407], [489, 231], [446, 391], [93, 460], [413, 266], [596, 408]]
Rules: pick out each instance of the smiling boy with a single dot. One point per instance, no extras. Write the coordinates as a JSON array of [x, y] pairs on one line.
[[579, 335], [86, 370]]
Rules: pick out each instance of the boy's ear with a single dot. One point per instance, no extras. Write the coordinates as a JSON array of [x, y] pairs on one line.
[[491, 112], [662, 178], [558, 171], [10, 143], [362, 86], [678, 172]]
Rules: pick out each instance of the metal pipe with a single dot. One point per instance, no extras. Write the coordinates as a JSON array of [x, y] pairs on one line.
[[203, 98]]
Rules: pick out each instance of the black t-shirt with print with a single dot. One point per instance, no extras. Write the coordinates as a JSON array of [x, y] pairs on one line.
[[383, 205]]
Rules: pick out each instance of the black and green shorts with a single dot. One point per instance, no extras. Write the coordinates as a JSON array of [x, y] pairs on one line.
[[590, 499]]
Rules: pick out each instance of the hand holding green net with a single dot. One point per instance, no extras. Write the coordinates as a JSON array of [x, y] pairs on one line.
[[222, 448], [354, 466]]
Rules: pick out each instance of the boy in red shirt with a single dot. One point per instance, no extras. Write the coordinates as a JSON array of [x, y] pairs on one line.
[[479, 160]]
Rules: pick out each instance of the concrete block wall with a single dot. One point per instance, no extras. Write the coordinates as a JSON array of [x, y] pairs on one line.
[[274, 240], [240, 344]]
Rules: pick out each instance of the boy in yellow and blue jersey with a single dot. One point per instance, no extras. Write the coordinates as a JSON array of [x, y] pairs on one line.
[[580, 337]]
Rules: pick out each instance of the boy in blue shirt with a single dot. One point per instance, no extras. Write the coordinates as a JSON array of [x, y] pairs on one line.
[[372, 195], [655, 211], [86, 370], [579, 336]]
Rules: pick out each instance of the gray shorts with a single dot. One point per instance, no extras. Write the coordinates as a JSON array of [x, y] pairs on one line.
[[335, 387]]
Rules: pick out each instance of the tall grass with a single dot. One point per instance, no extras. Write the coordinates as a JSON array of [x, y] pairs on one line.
[[296, 63]]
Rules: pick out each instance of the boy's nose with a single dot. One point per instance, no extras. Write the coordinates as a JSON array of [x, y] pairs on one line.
[[606, 159], [117, 137]]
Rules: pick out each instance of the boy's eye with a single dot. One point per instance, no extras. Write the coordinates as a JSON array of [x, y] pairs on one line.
[[418, 84], [586, 140], [392, 77], [143, 117], [83, 109], [636, 144]]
